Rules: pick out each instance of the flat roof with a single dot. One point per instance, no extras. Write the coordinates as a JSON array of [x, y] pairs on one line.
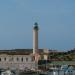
[[19, 51]]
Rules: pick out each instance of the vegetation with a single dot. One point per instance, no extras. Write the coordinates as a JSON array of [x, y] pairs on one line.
[[66, 56]]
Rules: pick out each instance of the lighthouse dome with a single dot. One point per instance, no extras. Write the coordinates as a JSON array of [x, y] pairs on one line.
[[36, 26]]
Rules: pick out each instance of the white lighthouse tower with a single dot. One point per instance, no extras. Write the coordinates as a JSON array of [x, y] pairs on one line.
[[35, 44], [35, 38]]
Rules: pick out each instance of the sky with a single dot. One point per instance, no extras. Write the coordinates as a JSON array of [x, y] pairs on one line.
[[55, 18]]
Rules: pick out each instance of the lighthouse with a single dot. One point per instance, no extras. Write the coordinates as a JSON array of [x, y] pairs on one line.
[[35, 38]]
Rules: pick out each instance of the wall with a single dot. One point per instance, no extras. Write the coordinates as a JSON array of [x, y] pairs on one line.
[[16, 61]]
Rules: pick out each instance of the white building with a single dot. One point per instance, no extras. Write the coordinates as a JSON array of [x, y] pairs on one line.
[[16, 59], [21, 58]]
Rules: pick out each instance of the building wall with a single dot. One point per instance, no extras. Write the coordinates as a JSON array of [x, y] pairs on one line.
[[46, 51], [16, 61]]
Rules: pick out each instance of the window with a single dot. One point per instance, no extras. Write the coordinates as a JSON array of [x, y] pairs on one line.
[[0, 59], [33, 58], [22, 59], [4, 59], [17, 59], [26, 59]]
